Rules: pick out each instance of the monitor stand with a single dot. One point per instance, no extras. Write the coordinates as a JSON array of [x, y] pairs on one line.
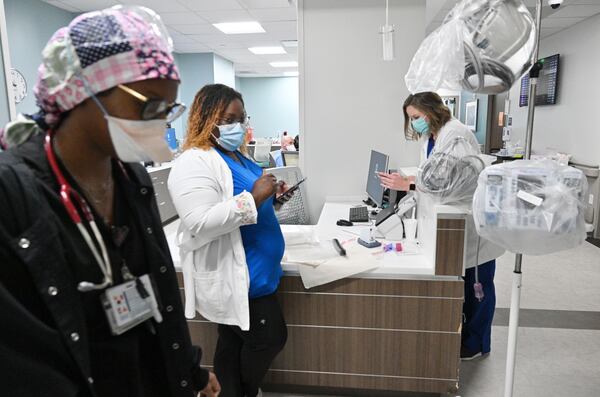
[[370, 202]]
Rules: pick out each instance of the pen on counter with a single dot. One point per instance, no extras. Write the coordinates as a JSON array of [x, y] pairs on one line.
[[338, 247]]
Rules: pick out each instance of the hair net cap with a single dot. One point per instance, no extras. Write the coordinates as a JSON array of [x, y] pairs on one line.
[[99, 50]]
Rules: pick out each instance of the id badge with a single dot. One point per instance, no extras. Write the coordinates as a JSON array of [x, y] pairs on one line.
[[130, 304]]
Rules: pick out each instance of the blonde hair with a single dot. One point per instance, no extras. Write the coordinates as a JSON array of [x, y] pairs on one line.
[[210, 104], [432, 106]]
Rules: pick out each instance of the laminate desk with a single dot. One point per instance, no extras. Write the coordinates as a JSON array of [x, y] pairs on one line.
[[395, 328]]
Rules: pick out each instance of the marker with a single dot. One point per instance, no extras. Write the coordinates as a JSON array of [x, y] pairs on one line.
[[338, 247]]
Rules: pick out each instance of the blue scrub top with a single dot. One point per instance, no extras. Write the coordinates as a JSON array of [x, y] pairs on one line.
[[430, 145], [263, 242]]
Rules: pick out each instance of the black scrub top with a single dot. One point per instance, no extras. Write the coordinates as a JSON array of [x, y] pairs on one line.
[[128, 362]]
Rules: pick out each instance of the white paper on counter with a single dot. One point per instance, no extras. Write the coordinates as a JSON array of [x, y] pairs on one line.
[[310, 254], [299, 234], [358, 259]]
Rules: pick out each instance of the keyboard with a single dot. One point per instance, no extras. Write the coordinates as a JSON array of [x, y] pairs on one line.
[[359, 214]]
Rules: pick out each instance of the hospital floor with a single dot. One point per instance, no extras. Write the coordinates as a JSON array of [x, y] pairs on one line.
[[559, 338]]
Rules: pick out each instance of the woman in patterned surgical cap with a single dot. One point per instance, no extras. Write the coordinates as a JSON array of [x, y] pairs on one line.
[[88, 291]]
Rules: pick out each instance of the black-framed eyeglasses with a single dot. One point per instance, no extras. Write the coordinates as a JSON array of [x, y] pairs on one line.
[[245, 121], [154, 108]]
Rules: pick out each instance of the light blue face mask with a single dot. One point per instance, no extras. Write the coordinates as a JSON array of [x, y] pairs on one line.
[[420, 126], [231, 136]]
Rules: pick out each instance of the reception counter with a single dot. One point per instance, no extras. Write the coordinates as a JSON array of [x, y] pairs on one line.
[[395, 328]]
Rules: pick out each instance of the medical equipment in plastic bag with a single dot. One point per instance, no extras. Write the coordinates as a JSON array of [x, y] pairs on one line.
[[483, 46], [450, 173], [531, 207]]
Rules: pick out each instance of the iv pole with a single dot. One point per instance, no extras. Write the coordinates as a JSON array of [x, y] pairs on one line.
[[515, 301]]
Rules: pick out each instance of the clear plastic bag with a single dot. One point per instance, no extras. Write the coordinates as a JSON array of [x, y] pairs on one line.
[[531, 207], [450, 173], [483, 46]]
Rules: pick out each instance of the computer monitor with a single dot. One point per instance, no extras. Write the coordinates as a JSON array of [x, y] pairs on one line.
[[379, 163]]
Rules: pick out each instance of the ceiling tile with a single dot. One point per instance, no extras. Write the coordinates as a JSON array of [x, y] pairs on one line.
[[181, 18], [223, 38], [287, 30], [264, 41], [198, 28], [251, 4], [576, 11], [63, 6], [178, 37], [158, 5], [89, 5], [211, 5], [560, 22], [275, 14], [226, 16], [222, 45]]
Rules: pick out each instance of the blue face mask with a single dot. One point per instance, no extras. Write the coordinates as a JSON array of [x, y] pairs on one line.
[[420, 126], [231, 136]]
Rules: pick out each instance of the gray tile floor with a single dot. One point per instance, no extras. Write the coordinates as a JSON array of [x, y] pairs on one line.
[[559, 344]]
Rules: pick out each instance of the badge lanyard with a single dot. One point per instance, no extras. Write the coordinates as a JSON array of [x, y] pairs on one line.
[[69, 197]]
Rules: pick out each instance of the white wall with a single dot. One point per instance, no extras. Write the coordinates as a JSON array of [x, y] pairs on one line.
[[272, 104], [224, 73], [351, 100], [572, 124]]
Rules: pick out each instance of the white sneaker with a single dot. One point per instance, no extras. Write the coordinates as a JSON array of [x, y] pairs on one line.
[[260, 394]]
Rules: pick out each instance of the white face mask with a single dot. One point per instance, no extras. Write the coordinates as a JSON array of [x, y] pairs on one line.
[[139, 140]]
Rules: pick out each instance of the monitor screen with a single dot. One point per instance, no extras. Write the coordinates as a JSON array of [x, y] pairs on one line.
[[379, 163], [546, 89]]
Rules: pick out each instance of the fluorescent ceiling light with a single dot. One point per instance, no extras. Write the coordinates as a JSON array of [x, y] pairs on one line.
[[267, 50], [291, 74], [289, 43], [239, 27], [290, 64]]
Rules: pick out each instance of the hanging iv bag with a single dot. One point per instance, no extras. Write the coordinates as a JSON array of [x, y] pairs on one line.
[[482, 46]]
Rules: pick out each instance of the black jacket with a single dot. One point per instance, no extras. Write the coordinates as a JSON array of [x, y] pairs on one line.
[[44, 348]]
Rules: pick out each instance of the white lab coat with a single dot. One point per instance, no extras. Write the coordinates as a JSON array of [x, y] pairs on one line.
[[215, 273], [451, 130]]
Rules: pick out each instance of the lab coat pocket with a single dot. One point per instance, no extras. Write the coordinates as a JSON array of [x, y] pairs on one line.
[[210, 289]]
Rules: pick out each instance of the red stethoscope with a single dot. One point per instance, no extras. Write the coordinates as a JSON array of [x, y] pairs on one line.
[[69, 197]]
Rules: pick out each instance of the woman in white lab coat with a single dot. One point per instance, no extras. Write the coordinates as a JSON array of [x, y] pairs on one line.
[[426, 118], [230, 241]]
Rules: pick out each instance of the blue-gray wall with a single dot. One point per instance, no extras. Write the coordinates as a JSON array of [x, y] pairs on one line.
[[272, 103], [197, 70], [482, 116], [30, 23]]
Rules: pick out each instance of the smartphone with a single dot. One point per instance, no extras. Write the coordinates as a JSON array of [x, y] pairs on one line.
[[293, 188]]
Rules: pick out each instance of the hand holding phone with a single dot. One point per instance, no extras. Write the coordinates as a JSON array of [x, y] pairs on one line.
[[287, 194]]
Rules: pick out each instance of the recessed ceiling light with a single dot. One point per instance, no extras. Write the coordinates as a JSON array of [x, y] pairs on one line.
[[239, 27], [291, 74], [286, 64], [267, 50], [289, 43]]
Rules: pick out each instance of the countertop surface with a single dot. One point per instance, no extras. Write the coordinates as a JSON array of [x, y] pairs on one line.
[[391, 265]]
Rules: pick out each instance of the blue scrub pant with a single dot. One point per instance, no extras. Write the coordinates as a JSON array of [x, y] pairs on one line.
[[478, 316]]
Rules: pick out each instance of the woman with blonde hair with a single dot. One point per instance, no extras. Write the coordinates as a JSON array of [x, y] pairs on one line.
[[230, 241], [426, 118]]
